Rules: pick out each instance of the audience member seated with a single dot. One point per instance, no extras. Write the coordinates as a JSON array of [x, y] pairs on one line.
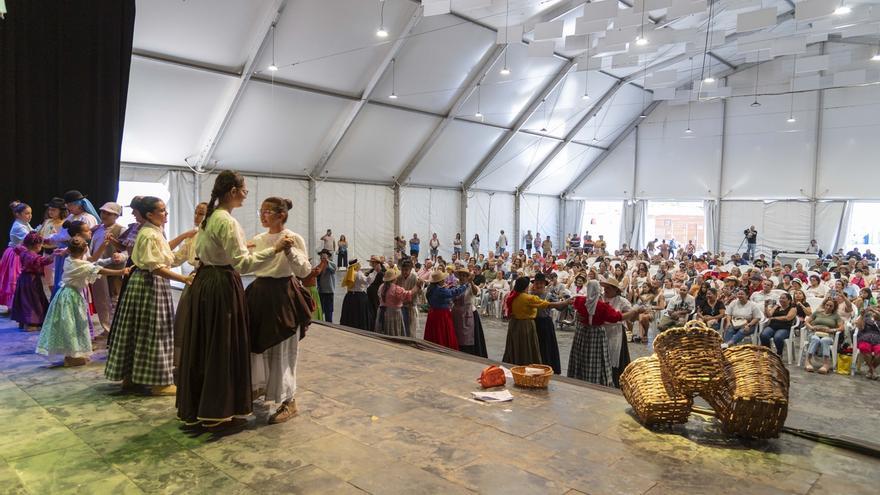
[[742, 317], [711, 310], [678, 309], [780, 318], [824, 323], [869, 339]]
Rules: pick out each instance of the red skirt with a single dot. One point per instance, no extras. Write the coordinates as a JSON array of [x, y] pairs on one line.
[[439, 329]]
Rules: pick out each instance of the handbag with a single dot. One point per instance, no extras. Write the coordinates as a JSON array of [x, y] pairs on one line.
[[492, 376]]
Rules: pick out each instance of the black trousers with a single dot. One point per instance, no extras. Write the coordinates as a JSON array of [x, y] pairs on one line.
[[327, 305]]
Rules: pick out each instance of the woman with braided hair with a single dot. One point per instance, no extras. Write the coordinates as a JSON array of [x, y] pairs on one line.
[[214, 381]]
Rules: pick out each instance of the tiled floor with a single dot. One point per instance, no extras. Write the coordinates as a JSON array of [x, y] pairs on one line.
[[378, 417]]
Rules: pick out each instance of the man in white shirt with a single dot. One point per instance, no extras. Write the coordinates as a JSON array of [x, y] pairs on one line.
[[501, 244], [678, 309], [764, 296], [328, 242], [742, 318]]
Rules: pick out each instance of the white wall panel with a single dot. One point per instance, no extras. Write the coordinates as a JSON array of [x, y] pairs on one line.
[[737, 216], [787, 225], [540, 214], [426, 211], [828, 215], [364, 213], [487, 214], [613, 179], [848, 166], [673, 164]]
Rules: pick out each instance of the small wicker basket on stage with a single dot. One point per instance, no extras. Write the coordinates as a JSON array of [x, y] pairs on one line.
[[642, 386], [690, 358], [521, 379], [754, 401]]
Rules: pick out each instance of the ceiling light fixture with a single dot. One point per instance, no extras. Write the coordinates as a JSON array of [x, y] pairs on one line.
[[641, 41], [479, 114], [505, 71], [688, 131], [393, 94], [586, 95], [791, 119], [842, 9], [691, 76], [756, 104], [706, 78], [876, 57], [709, 80], [381, 32], [273, 67]]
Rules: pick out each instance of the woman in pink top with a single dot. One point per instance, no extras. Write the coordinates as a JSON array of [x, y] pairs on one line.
[[389, 321]]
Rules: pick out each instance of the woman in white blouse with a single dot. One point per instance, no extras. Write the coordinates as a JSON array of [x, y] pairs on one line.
[[142, 349], [273, 314], [214, 384]]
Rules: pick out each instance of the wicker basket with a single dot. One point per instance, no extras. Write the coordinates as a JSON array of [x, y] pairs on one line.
[[521, 379], [754, 399], [642, 386], [690, 359]]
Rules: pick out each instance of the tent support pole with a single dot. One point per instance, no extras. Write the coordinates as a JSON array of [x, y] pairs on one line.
[[820, 103], [720, 192], [396, 189], [517, 197], [313, 198], [465, 243]]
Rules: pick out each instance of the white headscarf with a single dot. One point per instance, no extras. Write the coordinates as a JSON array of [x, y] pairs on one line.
[[594, 293]]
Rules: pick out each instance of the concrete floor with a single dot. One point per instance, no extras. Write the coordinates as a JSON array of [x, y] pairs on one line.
[[379, 417]]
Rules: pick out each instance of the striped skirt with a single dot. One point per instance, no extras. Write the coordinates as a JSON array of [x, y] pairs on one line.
[[389, 321], [589, 356], [143, 332]]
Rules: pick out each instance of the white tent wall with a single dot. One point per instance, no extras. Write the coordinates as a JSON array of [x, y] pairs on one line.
[[488, 214], [364, 213], [425, 211], [540, 214]]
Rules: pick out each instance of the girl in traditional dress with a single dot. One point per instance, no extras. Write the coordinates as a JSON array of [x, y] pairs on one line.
[[215, 375], [80, 210], [143, 327], [409, 281], [29, 305], [56, 211], [10, 264], [522, 347], [589, 359], [544, 326], [66, 328], [466, 319], [438, 326], [390, 320], [271, 310], [356, 309]]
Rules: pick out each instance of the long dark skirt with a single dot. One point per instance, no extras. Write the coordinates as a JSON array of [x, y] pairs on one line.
[[271, 315], [547, 342], [439, 328], [589, 356], [624, 361], [357, 311], [479, 347], [29, 305], [215, 366], [522, 347], [122, 288]]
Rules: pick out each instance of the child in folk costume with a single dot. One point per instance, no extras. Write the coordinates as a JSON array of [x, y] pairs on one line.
[[66, 328], [142, 351], [10, 264], [80, 210], [390, 319], [105, 291], [356, 309], [29, 305], [271, 300], [214, 388], [522, 347], [409, 281], [466, 319], [438, 326], [56, 212]]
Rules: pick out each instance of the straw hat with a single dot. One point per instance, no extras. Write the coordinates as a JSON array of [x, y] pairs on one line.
[[462, 269], [437, 276], [391, 275], [613, 283]]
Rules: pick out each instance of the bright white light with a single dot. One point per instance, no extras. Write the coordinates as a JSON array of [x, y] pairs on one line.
[[478, 115], [504, 71], [709, 80], [392, 96], [876, 57], [382, 33], [641, 41], [585, 97], [842, 10], [688, 131], [791, 120], [273, 68]]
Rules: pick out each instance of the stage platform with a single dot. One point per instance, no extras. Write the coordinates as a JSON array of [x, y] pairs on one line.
[[382, 417]]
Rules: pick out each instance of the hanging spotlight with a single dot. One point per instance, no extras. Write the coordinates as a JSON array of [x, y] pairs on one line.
[[393, 94], [586, 96], [688, 131], [505, 71], [381, 32], [876, 57], [479, 114], [842, 9], [641, 41], [709, 80], [791, 119], [755, 104], [273, 67]]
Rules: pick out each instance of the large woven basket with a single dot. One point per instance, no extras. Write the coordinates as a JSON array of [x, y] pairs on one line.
[[690, 358], [642, 386], [521, 379], [754, 399]]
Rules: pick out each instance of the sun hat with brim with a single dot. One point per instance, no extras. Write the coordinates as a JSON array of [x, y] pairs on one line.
[[462, 269], [325, 251], [613, 283], [56, 203], [111, 207], [437, 276], [73, 195], [391, 275]]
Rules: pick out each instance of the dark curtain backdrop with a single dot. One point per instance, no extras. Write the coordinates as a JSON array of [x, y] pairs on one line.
[[64, 68]]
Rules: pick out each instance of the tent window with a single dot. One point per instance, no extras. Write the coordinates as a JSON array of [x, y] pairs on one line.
[[679, 220], [603, 217]]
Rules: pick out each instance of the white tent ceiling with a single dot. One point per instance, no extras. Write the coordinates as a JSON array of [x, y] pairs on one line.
[[201, 89]]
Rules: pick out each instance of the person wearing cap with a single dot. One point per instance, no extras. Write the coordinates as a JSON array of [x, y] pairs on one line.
[[544, 326], [465, 318], [392, 297], [56, 212], [105, 290], [356, 309], [327, 283], [80, 208], [438, 326]]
